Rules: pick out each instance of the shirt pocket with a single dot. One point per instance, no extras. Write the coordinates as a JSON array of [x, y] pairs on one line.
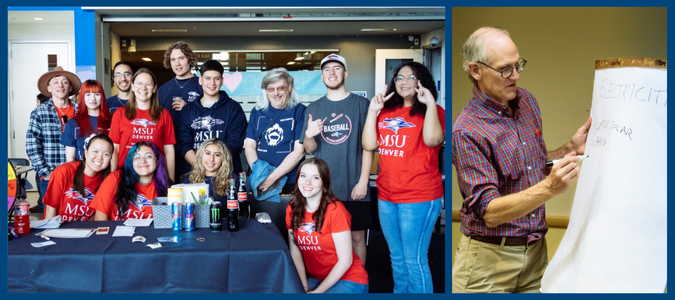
[[510, 157]]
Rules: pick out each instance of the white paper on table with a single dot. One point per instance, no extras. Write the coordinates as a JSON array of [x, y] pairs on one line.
[[138, 222], [124, 231], [53, 222], [67, 232]]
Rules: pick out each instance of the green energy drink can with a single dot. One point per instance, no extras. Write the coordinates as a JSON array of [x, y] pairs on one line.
[[216, 217]]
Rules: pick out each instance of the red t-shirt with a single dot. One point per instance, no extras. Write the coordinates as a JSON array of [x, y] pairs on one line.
[[68, 202], [408, 168], [127, 132], [68, 112], [104, 201], [318, 249]]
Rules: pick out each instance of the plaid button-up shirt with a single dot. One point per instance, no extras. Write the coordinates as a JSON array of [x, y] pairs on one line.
[[43, 139], [496, 153]]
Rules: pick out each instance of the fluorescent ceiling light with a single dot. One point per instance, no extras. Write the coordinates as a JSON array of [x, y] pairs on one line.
[[221, 56], [38, 19], [168, 30], [147, 59], [291, 63], [378, 29], [275, 30], [300, 58]]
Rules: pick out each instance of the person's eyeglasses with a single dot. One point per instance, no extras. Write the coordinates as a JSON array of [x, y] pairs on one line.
[[146, 157], [126, 74], [400, 79], [271, 89], [64, 118], [508, 71], [139, 84]]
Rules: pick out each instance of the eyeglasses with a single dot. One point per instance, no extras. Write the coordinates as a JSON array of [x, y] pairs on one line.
[[126, 74], [139, 84], [146, 157], [400, 79], [271, 89], [508, 71]]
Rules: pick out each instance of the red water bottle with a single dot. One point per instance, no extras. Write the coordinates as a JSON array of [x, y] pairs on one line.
[[21, 217]]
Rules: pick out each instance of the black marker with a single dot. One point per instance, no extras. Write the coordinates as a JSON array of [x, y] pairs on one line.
[[550, 163]]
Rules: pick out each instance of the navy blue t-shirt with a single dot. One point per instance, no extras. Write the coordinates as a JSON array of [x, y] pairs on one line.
[[115, 102], [188, 89], [279, 138], [71, 136]]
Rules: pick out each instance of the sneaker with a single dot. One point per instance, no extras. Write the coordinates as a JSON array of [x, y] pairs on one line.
[[36, 209]]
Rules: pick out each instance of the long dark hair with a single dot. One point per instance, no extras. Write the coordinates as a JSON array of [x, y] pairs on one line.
[[155, 110], [423, 75], [82, 115], [78, 181], [126, 188], [300, 202]]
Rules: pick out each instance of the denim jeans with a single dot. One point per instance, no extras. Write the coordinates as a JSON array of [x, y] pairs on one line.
[[42, 189], [407, 227], [340, 287]]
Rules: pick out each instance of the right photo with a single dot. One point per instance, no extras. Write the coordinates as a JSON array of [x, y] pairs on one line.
[[559, 149]]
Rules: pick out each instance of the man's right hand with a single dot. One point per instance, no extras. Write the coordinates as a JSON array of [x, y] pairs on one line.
[[563, 174], [314, 127]]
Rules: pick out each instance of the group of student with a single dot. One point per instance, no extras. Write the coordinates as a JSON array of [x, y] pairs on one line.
[[122, 152]]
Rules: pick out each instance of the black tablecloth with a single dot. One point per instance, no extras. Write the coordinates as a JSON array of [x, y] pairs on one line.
[[253, 260]]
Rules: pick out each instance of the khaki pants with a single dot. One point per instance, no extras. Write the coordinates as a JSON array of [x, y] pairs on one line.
[[488, 268]]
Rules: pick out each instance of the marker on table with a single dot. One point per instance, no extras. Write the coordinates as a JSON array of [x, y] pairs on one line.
[[550, 163]]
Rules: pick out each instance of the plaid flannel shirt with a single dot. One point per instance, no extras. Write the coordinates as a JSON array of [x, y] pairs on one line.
[[497, 154], [43, 139]]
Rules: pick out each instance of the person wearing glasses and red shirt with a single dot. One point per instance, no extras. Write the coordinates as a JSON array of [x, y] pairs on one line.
[[499, 152], [46, 125]]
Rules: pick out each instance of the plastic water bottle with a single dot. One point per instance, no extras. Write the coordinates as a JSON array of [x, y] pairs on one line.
[[21, 217]]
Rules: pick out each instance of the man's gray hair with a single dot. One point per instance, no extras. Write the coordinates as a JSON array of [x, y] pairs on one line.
[[271, 77], [473, 49]]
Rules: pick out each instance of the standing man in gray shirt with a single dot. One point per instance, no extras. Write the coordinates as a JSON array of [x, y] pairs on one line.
[[332, 131]]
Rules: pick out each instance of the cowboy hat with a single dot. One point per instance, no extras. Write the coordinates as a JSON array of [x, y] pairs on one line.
[[43, 82]]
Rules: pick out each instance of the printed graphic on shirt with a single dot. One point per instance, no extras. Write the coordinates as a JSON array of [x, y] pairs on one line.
[[141, 131], [136, 212], [192, 96], [274, 135], [395, 124], [337, 129], [205, 123], [141, 201], [202, 127], [309, 241], [75, 212], [142, 122], [393, 144]]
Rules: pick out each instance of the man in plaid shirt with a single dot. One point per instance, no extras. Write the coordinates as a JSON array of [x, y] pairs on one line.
[[46, 125], [500, 156]]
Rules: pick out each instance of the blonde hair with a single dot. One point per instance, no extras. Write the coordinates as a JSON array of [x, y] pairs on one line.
[[221, 179]]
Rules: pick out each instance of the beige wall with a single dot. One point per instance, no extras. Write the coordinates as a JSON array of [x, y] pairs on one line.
[[561, 46]]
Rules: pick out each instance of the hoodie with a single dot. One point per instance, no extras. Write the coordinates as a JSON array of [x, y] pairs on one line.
[[225, 120]]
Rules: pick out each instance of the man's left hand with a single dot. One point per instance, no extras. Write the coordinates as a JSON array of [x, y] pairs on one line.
[[578, 141], [178, 104], [360, 190], [267, 183]]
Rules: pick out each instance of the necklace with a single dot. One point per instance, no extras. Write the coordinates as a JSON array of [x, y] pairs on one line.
[[181, 86], [62, 119]]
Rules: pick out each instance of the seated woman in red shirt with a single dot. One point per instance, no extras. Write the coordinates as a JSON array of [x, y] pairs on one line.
[[320, 235], [72, 186], [128, 193]]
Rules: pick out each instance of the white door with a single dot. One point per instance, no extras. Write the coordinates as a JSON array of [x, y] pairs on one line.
[[388, 60], [29, 60]]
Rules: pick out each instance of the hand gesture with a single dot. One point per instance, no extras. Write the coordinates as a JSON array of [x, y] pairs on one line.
[[564, 173], [314, 127], [178, 104], [377, 103], [424, 96], [579, 138]]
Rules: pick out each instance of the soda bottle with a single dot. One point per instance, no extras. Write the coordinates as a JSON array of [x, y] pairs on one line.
[[242, 196], [21, 216], [232, 208]]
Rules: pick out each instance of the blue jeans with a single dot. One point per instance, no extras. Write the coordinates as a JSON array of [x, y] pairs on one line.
[[42, 189], [340, 287], [407, 227]]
